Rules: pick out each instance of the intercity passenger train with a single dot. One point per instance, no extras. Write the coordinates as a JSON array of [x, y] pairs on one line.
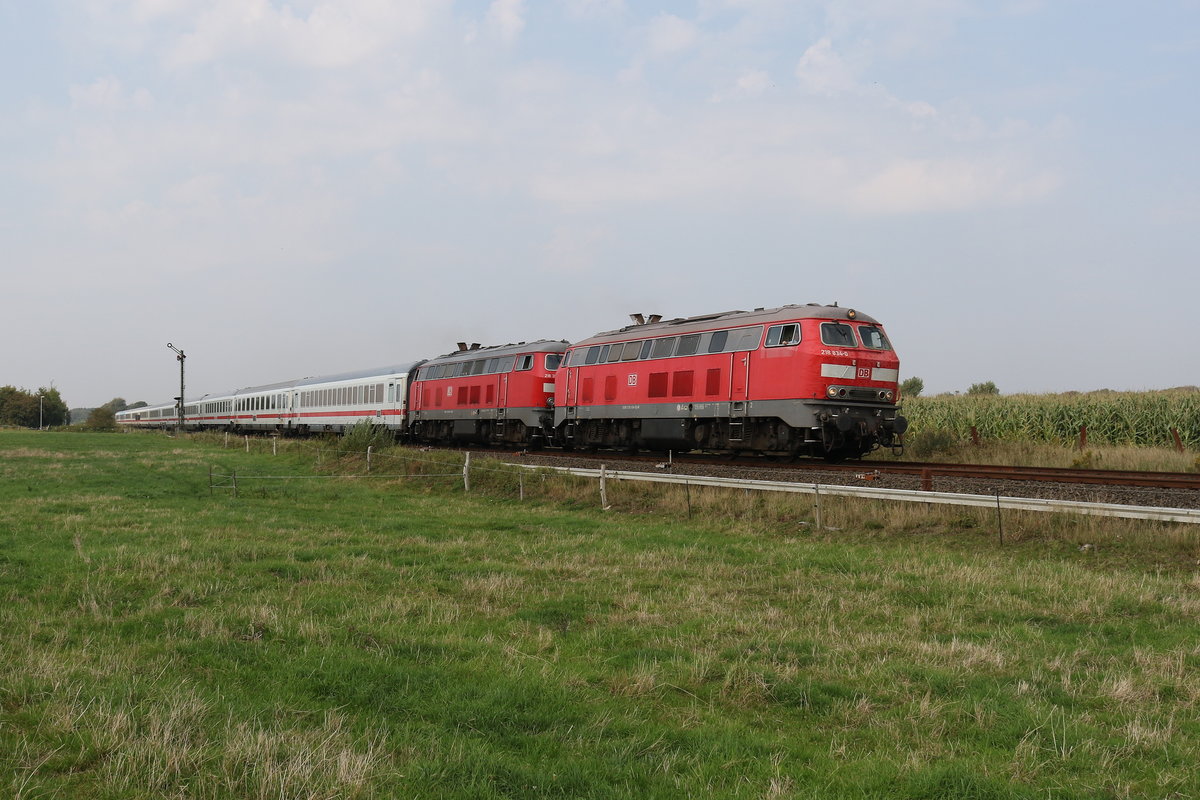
[[811, 380]]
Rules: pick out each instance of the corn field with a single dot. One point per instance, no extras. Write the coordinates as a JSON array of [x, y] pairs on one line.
[[1112, 418]]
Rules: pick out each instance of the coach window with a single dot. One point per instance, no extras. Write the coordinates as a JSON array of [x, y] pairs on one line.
[[783, 335], [837, 334], [553, 361], [631, 351], [663, 347], [873, 338], [688, 345]]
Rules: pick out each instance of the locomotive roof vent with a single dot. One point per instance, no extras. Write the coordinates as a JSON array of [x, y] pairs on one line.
[[638, 319], [462, 345], [474, 345], [653, 319]]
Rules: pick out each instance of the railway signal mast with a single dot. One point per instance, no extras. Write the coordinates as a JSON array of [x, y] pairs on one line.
[[179, 400]]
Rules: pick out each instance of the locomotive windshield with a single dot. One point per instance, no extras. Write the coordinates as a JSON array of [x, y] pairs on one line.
[[837, 334], [873, 338], [553, 360]]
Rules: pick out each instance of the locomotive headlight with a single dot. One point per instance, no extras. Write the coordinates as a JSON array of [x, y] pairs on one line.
[[890, 395], [831, 391], [851, 313]]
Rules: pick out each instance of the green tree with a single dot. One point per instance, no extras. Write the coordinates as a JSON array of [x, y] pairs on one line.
[[101, 419], [987, 387], [28, 409], [912, 387]]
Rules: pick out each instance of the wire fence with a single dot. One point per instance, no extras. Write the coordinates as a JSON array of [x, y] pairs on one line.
[[425, 464]]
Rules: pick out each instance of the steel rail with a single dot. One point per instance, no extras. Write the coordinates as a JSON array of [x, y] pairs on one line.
[[929, 470], [1184, 515]]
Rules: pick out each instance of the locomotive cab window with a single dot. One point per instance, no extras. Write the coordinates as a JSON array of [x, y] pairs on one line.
[[873, 338], [783, 335], [552, 361], [837, 334], [526, 362]]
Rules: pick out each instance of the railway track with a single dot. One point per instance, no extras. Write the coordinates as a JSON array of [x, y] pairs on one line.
[[925, 471]]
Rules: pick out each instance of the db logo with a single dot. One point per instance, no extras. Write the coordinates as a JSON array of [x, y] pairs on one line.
[[864, 372], [633, 380]]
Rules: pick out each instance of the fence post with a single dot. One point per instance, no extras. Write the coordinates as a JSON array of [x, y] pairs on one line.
[[247, 443], [687, 490], [274, 445], [210, 480], [234, 476], [369, 457], [999, 517], [1083, 437], [226, 440], [975, 436], [817, 494], [467, 472], [1178, 441], [603, 487], [521, 484]]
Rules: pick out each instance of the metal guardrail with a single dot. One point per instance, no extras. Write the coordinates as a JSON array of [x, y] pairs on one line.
[[1184, 515]]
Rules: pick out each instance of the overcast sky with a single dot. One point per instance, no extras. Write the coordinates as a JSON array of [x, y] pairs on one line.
[[302, 188]]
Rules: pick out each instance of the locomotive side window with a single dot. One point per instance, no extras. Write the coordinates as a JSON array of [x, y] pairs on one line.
[[747, 338], [646, 347], [553, 360], [593, 354], [506, 365], [632, 349], [526, 362], [663, 347], [688, 345], [783, 335], [837, 334], [873, 338], [717, 343]]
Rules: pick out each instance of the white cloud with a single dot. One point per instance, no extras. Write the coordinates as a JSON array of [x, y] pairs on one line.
[[331, 35], [908, 186], [108, 94], [823, 71], [668, 34], [506, 18]]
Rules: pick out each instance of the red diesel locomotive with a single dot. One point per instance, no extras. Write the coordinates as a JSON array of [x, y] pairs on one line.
[[487, 395], [797, 380]]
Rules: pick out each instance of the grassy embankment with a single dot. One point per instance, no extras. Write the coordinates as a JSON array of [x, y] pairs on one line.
[[393, 638]]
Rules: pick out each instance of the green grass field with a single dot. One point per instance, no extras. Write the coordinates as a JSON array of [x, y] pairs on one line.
[[331, 638]]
